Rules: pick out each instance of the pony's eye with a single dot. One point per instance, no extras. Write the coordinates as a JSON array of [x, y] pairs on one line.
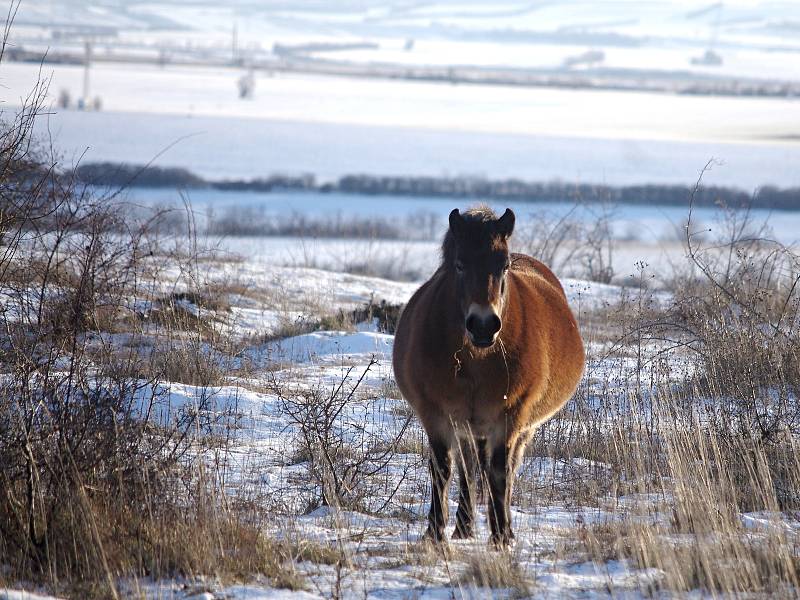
[[459, 266]]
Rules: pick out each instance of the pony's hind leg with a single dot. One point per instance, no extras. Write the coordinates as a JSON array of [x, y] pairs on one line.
[[467, 465], [441, 468], [518, 453]]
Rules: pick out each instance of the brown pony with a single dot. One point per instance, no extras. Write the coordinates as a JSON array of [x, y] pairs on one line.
[[485, 351]]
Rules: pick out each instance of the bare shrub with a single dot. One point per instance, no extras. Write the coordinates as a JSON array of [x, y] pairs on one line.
[[347, 457], [384, 314], [598, 248], [741, 313], [292, 327], [104, 475], [189, 362], [688, 412], [581, 237]]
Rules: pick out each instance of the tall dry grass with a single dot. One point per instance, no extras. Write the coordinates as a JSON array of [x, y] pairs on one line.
[[690, 407], [102, 478]]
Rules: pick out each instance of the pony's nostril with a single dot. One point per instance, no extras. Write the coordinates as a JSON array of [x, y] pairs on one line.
[[494, 324], [470, 323], [483, 328]]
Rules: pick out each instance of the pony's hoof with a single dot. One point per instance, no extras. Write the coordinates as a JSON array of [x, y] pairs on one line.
[[463, 533], [433, 536], [502, 541]]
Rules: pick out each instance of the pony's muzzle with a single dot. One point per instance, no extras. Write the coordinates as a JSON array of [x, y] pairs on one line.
[[482, 325]]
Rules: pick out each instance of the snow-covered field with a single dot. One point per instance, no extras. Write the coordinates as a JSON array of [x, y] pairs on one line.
[[384, 556], [560, 505], [423, 218], [198, 91], [329, 126], [637, 234], [191, 116]]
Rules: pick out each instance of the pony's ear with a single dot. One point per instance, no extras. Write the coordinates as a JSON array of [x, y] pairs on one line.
[[456, 221], [505, 224]]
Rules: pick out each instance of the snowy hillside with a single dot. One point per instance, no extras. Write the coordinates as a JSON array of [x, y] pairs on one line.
[[652, 36]]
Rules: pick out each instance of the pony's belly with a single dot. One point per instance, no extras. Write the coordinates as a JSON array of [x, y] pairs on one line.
[[478, 415], [460, 410], [477, 429]]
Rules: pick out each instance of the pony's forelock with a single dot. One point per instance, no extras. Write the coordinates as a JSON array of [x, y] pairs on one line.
[[471, 216]]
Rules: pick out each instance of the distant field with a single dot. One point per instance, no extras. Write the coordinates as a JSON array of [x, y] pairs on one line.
[[238, 147], [202, 91]]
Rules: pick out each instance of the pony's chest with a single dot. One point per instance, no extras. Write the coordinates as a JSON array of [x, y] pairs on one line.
[[479, 393]]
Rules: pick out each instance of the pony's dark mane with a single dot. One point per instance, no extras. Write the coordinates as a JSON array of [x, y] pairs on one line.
[[475, 215]]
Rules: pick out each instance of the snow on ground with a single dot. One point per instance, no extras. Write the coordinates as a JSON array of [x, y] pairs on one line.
[[7, 594], [382, 556], [266, 461], [235, 147], [332, 345], [275, 297]]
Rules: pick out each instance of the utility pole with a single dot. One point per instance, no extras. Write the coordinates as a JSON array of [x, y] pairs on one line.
[[87, 63], [234, 43]]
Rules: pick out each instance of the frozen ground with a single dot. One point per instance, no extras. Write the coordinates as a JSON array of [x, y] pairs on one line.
[[379, 548]]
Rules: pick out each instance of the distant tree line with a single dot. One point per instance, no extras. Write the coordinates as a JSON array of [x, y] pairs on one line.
[[107, 174], [116, 175]]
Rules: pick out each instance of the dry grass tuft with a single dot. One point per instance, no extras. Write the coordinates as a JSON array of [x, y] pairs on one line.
[[495, 571]]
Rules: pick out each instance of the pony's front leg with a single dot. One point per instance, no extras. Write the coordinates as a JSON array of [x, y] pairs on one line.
[[500, 477], [467, 464], [441, 467]]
